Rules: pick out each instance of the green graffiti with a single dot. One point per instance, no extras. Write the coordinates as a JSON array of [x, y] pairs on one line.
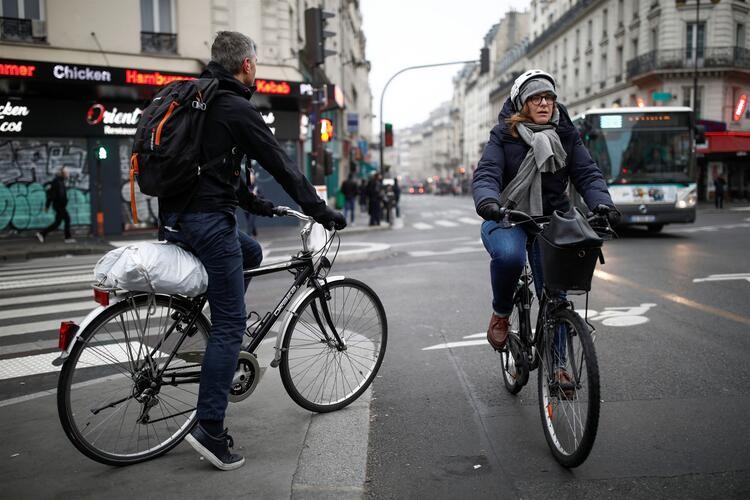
[[22, 207]]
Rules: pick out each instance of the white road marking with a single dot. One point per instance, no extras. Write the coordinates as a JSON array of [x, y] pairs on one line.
[[724, 277], [46, 297], [470, 220], [458, 250], [56, 308], [740, 209], [39, 326], [445, 223], [421, 226], [44, 271], [40, 282], [709, 228]]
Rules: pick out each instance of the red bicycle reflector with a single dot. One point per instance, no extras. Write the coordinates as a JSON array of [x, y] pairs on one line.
[[68, 330], [101, 296]]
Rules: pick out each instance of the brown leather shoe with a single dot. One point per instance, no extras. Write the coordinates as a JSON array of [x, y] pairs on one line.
[[497, 333]]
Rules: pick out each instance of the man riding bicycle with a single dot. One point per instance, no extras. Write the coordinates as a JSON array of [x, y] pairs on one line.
[[206, 224]]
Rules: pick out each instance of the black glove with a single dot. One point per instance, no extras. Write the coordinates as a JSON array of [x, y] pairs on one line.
[[611, 213], [489, 210], [330, 218], [259, 206]]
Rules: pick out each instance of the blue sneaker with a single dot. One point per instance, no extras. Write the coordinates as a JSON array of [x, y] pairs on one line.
[[215, 448]]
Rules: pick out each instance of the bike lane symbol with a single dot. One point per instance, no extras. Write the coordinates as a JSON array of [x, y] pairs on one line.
[[620, 316]]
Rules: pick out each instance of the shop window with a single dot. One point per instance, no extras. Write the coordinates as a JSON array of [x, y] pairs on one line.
[[22, 21], [158, 26]]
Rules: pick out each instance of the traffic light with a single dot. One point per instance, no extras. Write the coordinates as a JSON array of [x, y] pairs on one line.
[[315, 36], [101, 152], [326, 130], [388, 135], [484, 60]]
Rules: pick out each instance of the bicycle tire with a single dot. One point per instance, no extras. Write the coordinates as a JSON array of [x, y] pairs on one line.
[[101, 374], [316, 375], [563, 407], [514, 364]]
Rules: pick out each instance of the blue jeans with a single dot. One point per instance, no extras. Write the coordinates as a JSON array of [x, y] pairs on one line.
[[507, 249], [224, 252], [349, 207]]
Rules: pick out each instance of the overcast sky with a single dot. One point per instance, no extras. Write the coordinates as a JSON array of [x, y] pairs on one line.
[[403, 33]]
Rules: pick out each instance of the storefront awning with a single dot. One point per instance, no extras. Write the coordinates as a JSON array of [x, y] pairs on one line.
[[726, 142]]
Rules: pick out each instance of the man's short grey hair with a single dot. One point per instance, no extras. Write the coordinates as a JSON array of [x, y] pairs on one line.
[[230, 48]]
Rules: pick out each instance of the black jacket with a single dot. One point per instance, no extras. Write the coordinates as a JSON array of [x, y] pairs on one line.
[[57, 196], [504, 154], [232, 121]]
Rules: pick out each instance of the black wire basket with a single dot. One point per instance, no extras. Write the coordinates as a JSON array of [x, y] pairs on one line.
[[569, 268]]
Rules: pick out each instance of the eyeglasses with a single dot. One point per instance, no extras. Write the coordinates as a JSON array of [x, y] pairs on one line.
[[536, 100]]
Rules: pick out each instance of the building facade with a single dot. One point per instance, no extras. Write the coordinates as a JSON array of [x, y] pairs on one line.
[[72, 84]]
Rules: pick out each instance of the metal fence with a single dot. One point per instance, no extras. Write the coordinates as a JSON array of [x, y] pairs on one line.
[[709, 57], [15, 30], [160, 43]]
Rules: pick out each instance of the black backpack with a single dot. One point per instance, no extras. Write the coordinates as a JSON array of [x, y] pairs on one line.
[[166, 150]]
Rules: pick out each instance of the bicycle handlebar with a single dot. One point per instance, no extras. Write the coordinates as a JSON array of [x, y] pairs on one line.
[[600, 221], [281, 211]]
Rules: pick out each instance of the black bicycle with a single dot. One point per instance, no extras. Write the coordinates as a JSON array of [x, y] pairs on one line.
[[561, 345], [128, 389]]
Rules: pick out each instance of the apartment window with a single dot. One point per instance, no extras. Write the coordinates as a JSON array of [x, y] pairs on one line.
[[604, 72], [22, 20], [654, 39], [635, 47], [158, 26], [620, 12], [578, 40], [590, 31], [636, 8], [605, 21], [739, 38], [695, 42], [618, 62]]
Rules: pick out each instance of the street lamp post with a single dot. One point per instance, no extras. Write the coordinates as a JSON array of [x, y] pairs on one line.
[[382, 94]]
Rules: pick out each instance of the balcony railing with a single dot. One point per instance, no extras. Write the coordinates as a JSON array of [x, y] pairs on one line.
[[158, 43], [711, 57], [15, 30]]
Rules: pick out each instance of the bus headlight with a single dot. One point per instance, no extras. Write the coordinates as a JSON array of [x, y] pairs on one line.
[[687, 197]]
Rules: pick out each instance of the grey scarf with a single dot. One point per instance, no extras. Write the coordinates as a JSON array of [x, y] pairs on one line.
[[545, 155]]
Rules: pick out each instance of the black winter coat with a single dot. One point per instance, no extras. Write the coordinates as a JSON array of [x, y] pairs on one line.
[[57, 196], [504, 154], [232, 121]]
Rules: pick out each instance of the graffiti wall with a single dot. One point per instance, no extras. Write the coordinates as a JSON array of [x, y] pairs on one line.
[[27, 166]]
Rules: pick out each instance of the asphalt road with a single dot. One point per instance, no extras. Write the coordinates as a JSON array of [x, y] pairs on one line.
[[672, 339]]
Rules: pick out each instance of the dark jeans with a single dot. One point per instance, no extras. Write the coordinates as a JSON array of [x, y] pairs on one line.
[[224, 251], [719, 200], [61, 215], [376, 211], [349, 207]]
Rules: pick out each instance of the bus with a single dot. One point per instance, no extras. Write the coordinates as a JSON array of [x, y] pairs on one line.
[[647, 156]]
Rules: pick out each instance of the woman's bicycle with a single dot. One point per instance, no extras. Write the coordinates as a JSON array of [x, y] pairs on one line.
[[560, 346], [129, 383]]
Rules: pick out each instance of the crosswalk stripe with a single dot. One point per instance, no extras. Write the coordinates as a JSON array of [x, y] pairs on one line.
[[55, 308], [45, 297], [445, 223], [38, 282], [38, 326], [44, 271], [470, 220], [421, 226]]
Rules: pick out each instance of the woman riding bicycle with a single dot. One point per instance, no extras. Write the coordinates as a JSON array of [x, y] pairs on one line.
[[532, 153]]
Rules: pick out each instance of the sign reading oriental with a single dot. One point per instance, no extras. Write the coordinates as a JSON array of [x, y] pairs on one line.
[[39, 71]]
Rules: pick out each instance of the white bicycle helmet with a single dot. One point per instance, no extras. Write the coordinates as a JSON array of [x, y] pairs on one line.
[[515, 91]]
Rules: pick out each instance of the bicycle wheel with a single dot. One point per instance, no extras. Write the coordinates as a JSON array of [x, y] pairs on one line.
[[569, 406], [112, 404], [515, 366], [317, 375]]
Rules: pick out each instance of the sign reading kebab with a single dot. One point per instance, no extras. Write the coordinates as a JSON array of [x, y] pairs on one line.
[[102, 75]]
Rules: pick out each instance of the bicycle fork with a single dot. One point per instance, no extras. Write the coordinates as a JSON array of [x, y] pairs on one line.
[[324, 295]]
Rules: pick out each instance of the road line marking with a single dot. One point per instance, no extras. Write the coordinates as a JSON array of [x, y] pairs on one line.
[[710, 228], [470, 220], [724, 277], [44, 271], [39, 326], [674, 297], [430, 253], [46, 297], [445, 223], [40, 282], [421, 226], [450, 345], [38, 311]]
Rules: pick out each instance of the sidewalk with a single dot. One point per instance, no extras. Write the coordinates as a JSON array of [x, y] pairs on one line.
[[26, 246], [290, 453]]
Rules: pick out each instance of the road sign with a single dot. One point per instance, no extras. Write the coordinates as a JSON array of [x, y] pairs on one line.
[[661, 96]]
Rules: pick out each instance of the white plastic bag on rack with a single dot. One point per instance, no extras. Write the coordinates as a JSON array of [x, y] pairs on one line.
[[152, 267]]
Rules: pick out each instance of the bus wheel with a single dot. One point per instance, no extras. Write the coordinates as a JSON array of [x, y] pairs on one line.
[[655, 228]]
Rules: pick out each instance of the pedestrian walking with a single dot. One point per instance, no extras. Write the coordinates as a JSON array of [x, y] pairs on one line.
[[396, 196], [532, 152], [375, 197], [350, 189], [57, 197], [363, 201], [205, 223], [719, 185]]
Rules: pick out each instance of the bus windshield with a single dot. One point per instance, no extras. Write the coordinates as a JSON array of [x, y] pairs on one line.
[[640, 149]]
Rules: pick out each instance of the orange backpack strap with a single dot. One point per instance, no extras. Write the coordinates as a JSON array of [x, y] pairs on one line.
[[133, 173]]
